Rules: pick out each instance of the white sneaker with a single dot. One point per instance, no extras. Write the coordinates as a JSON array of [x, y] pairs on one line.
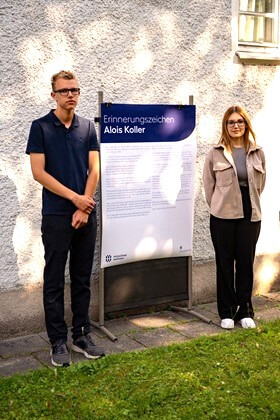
[[227, 323], [247, 323]]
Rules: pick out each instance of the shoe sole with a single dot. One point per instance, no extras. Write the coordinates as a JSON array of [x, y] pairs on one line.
[[230, 327], [59, 364], [79, 350], [247, 328]]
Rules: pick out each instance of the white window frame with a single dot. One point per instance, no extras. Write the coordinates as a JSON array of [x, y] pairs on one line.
[[253, 52]]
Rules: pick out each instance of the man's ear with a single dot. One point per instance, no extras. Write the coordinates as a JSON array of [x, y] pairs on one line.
[[53, 95]]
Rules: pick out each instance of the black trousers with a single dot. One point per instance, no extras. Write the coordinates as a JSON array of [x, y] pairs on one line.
[[235, 242], [60, 239]]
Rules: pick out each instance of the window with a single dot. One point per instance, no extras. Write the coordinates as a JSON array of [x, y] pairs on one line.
[[258, 29]]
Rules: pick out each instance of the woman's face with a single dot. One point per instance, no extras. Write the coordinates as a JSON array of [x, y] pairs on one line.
[[236, 126]]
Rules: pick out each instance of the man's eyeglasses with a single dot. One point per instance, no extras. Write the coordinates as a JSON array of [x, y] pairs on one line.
[[232, 123], [65, 92]]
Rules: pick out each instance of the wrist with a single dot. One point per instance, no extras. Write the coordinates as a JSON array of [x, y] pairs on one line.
[[73, 197]]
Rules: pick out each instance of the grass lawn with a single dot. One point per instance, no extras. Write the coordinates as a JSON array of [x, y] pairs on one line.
[[228, 376]]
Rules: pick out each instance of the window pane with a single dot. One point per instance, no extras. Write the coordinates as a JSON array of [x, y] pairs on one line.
[[260, 6], [255, 29]]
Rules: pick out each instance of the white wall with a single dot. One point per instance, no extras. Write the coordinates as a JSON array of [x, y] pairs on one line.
[[142, 51]]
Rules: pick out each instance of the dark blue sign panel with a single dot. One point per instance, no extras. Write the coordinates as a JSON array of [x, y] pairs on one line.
[[146, 123]]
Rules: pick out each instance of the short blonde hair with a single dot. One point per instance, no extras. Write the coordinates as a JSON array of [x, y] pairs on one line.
[[249, 132], [62, 74]]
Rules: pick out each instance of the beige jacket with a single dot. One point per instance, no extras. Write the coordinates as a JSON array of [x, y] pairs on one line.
[[221, 184]]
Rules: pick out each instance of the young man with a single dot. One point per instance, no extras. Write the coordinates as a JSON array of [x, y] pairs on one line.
[[64, 158]]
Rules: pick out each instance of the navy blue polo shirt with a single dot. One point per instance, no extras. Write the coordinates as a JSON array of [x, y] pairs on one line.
[[66, 153]]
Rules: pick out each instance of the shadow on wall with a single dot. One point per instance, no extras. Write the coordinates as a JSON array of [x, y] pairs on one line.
[[9, 210]]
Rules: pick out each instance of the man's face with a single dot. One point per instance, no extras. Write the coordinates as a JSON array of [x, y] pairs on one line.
[[69, 101]]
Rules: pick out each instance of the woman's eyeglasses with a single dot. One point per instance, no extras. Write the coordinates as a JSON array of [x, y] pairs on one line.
[[232, 123]]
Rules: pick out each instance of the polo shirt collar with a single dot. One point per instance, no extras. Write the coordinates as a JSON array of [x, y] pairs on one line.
[[57, 122]]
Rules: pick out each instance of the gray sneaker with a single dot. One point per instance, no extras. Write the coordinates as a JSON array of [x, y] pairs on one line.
[[87, 347], [60, 355]]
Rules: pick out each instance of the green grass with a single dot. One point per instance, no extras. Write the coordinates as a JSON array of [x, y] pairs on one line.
[[228, 376]]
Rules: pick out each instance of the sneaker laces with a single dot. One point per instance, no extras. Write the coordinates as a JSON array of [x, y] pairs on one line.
[[90, 339], [60, 347]]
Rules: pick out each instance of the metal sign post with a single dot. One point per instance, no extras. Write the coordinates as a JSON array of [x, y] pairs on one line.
[[100, 324], [190, 310], [190, 302]]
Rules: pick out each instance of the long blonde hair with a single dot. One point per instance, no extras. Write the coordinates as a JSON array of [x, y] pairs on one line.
[[226, 140]]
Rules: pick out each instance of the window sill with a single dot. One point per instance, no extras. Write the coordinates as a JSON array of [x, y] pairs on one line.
[[253, 57]]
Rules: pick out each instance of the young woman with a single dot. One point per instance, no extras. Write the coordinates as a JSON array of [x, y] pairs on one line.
[[234, 178]]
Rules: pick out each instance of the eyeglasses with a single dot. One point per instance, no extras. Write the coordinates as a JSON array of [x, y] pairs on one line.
[[65, 92], [232, 123]]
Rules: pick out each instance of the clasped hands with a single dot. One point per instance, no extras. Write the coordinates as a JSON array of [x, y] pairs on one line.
[[85, 205]]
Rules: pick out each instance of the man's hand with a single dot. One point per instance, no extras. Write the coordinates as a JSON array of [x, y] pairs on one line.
[[79, 219], [84, 203]]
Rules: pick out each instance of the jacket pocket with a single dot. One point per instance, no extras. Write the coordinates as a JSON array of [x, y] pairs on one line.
[[223, 171], [258, 174], [258, 167]]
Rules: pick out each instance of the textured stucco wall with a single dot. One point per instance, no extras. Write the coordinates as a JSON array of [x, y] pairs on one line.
[[144, 51]]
